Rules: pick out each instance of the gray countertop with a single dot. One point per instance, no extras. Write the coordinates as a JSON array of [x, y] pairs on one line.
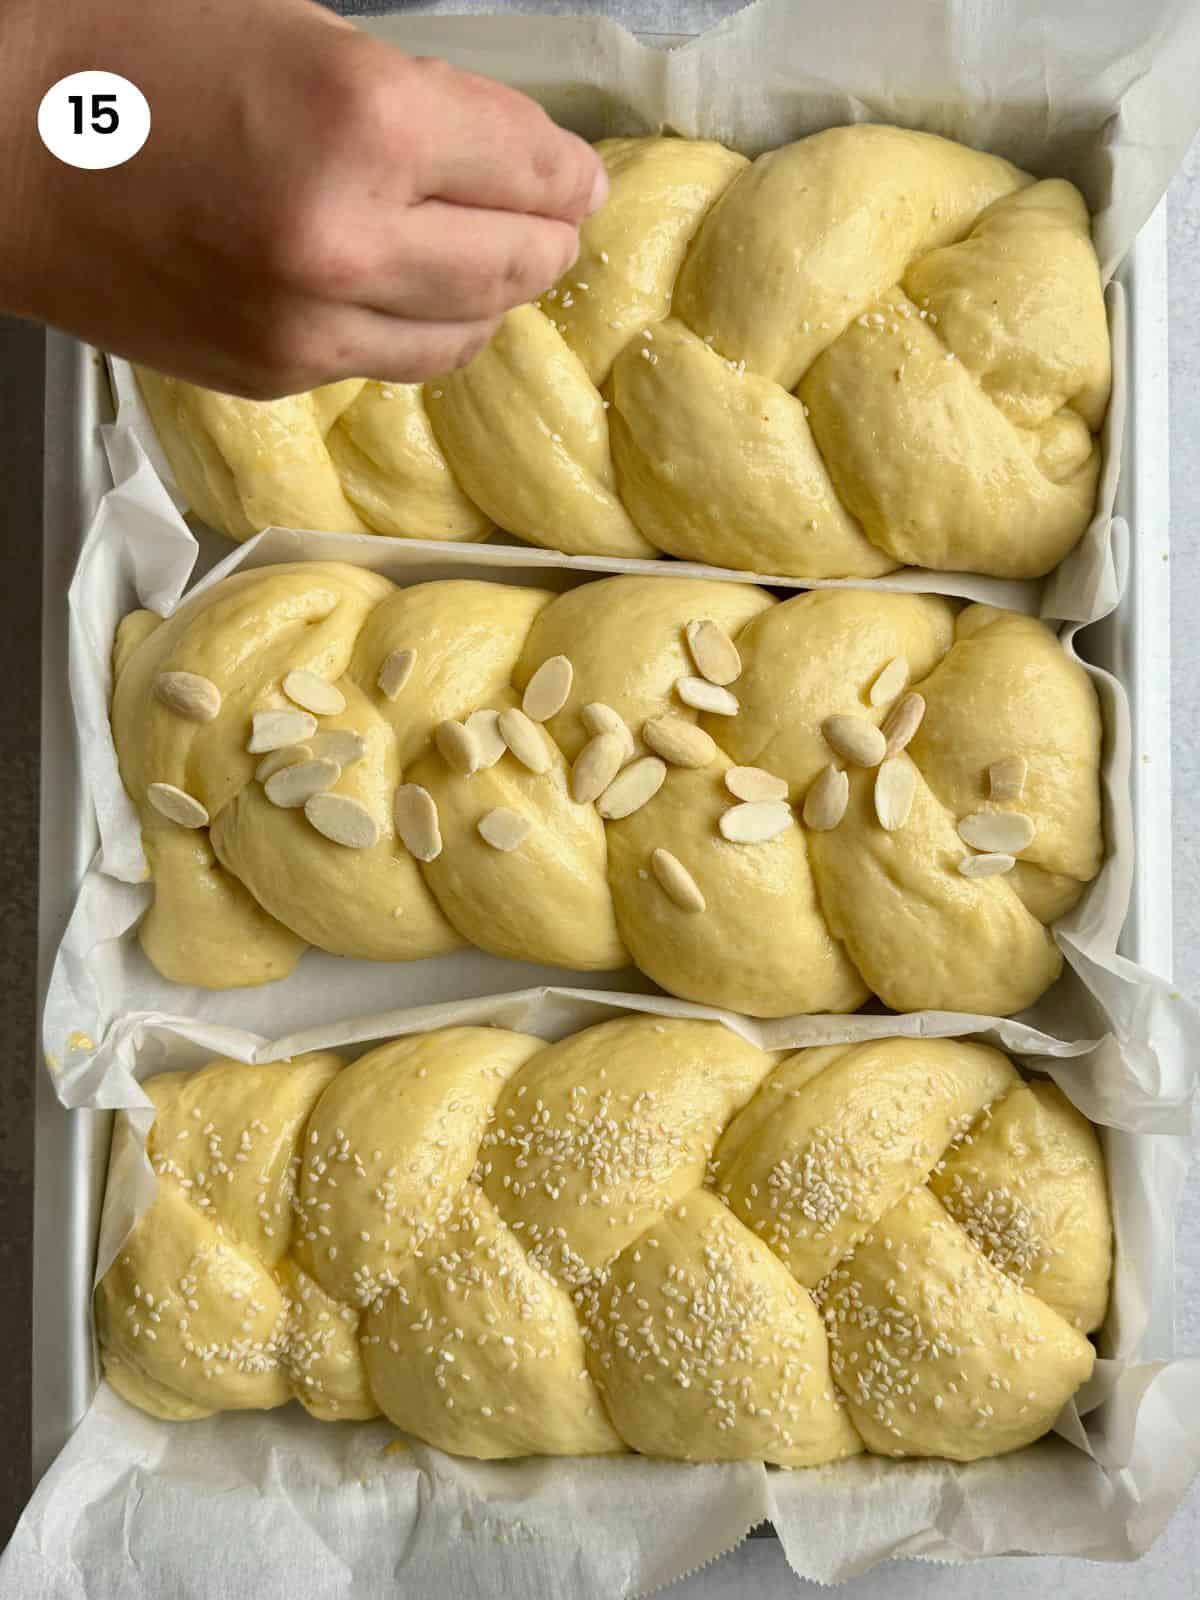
[[1170, 1568]]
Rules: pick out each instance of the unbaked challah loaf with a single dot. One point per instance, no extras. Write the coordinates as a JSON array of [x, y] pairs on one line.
[[772, 806], [650, 1236], [869, 348]]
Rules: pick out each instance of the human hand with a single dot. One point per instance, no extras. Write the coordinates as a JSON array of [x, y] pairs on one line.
[[311, 203]]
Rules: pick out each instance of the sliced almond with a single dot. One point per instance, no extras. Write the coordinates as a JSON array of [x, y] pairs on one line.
[[826, 800], [713, 651], [188, 695], [503, 829], [395, 672], [1003, 832], [343, 820], [1006, 778], [276, 760], [485, 725], [902, 722], [293, 784], [177, 805], [596, 765], [599, 718], [755, 822], [546, 692], [895, 788], [525, 740], [459, 747], [893, 680], [679, 741], [989, 865], [754, 783], [271, 730], [705, 696], [677, 881], [630, 790], [416, 816], [314, 693], [855, 739], [343, 745]]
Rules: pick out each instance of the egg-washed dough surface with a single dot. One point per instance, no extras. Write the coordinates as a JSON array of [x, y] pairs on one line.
[[867, 349], [807, 914], [651, 1235]]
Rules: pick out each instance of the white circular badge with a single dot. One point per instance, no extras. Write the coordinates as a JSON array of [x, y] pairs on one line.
[[94, 119]]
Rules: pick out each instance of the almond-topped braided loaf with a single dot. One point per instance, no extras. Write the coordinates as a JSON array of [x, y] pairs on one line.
[[869, 348], [651, 1235], [771, 806]]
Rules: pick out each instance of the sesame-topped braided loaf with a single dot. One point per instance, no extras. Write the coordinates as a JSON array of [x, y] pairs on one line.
[[869, 348], [771, 806], [649, 1236]]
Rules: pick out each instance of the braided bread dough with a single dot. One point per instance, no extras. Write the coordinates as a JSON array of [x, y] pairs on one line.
[[651, 1236], [804, 920], [869, 348]]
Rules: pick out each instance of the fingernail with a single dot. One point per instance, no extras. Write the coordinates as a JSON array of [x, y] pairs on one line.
[[599, 191]]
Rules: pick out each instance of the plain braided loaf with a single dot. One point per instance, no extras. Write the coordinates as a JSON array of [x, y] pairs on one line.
[[651, 1235], [866, 349]]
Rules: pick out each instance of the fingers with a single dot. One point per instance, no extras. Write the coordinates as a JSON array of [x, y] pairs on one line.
[[454, 263], [396, 351], [383, 220], [435, 194], [311, 344], [486, 145]]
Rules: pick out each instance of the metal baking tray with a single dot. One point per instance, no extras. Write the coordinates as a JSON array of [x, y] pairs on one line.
[[71, 1147]]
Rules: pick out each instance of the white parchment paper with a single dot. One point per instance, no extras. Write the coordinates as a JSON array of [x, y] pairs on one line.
[[1102, 99], [766, 76], [304, 1508], [279, 1505], [139, 550]]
